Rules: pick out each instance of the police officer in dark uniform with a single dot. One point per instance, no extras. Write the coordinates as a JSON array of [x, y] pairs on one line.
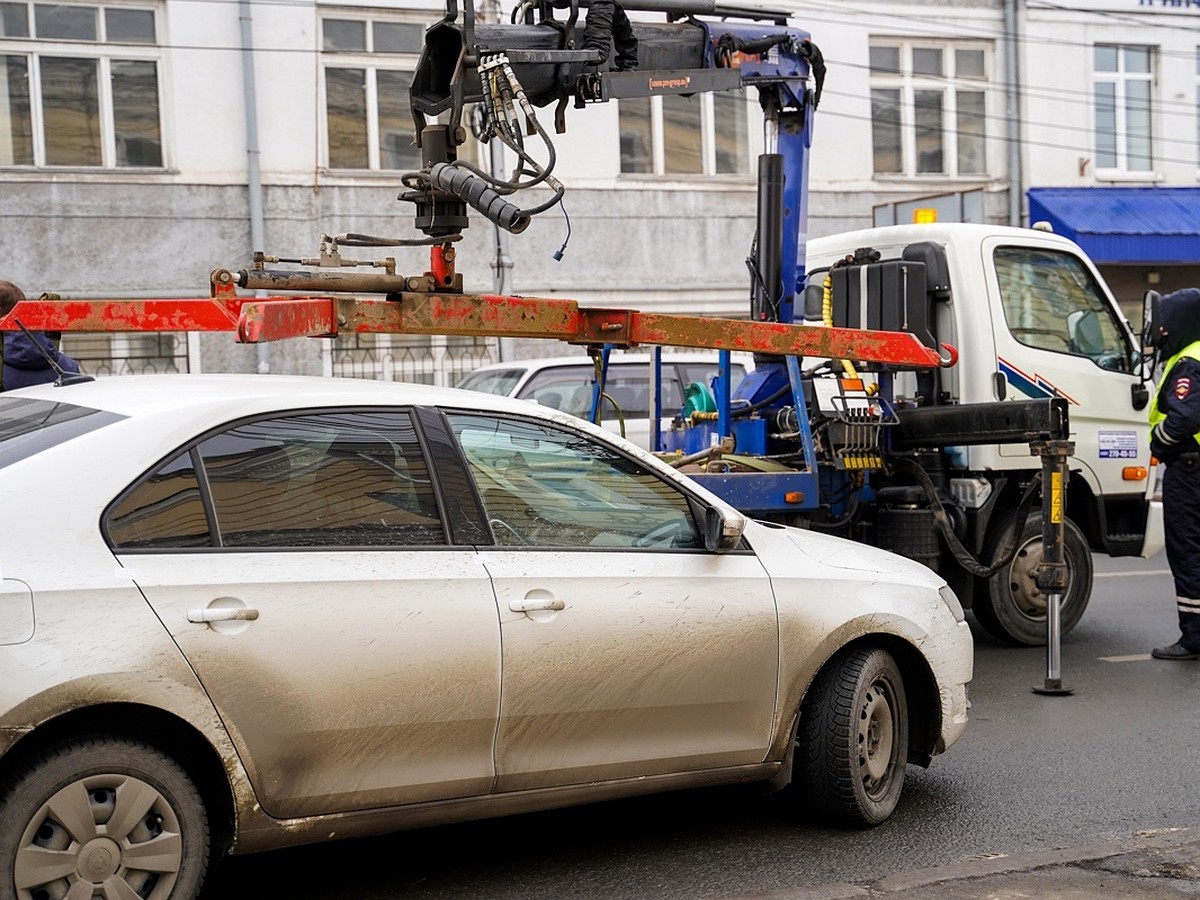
[[1175, 440]]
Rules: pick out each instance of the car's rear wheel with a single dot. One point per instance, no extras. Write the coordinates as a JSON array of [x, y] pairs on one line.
[[852, 740], [102, 816]]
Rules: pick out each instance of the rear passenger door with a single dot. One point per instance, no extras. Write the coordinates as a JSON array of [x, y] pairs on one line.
[[306, 566]]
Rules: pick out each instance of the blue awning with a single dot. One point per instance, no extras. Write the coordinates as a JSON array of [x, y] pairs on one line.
[[1124, 224]]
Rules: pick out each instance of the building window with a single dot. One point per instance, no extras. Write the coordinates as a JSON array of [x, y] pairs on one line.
[[1124, 80], [706, 134], [79, 86], [368, 71], [929, 108]]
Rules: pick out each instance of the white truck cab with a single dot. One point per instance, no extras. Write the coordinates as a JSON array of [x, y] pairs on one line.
[[1030, 317]]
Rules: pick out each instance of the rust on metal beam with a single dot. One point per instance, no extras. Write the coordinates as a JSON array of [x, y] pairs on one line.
[[899, 348], [539, 317], [277, 318], [481, 315], [168, 314]]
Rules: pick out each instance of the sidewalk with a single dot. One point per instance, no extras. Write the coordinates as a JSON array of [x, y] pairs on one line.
[[1148, 866]]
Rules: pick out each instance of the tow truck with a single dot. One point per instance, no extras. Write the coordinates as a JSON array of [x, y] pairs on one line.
[[860, 417]]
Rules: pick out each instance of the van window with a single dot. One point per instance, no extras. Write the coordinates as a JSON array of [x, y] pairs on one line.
[[569, 388], [494, 381]]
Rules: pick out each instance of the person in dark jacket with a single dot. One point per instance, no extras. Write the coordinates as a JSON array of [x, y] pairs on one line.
[[29, 358], [1175, 441]]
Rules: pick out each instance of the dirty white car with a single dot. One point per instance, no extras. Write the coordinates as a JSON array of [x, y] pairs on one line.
[[239, 613]]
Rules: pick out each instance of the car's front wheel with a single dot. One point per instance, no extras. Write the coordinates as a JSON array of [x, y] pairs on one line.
[[102, 816], [852, 739]]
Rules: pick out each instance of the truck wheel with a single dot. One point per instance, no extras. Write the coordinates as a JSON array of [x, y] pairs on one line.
[[852, 743], [103, 816], [1013, 609]]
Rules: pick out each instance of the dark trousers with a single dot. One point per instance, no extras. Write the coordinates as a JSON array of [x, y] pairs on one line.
[[1181, 519]]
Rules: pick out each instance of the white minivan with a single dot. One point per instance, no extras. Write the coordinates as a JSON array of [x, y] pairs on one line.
[[568, 382]]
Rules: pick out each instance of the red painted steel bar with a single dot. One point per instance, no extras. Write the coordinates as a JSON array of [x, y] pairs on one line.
[[281, 317]]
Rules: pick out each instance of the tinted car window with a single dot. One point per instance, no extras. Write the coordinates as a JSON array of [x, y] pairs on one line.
[[353, 479], [165, 509], [30, 426], [548, 487], [339, 479], [627, 387]]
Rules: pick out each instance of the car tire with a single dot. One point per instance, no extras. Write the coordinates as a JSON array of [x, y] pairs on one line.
[[154, 842], [852, 739], [1012, 608]]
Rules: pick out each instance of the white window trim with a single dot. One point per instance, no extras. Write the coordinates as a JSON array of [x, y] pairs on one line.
[[1121, 171], [708, 141], [33, 49], [371, 62], [908, 83]]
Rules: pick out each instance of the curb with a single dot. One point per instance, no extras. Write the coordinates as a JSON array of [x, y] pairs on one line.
[[1156, 839]]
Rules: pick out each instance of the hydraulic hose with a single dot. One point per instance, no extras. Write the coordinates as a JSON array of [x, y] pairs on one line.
[[946, 528], [474, 191]]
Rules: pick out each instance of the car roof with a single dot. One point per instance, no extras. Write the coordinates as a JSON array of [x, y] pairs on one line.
[[139, 394], [694, 356]]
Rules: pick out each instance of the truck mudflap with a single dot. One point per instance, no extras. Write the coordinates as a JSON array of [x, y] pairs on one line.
[[1155, 538]]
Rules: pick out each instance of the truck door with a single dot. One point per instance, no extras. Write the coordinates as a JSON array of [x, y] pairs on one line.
[[1058, 333]]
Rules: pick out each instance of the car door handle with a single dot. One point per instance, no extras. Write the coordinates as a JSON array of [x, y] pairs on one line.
[[530, 604], [217, 614]]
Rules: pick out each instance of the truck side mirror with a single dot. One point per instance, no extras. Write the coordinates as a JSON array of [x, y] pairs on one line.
[[1151, 320]]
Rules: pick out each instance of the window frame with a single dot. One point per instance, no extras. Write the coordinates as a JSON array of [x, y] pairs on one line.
[[1120, 81], [689, 504], [371, 61], [708, 138], [1024, 261], [451, 533], [104, 53], [908, 83]]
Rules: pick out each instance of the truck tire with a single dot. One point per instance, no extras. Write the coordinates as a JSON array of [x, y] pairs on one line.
[[852, 741], [1012, 608], [118, 817]]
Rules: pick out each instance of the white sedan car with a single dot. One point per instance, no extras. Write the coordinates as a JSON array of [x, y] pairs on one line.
[[239, 613]]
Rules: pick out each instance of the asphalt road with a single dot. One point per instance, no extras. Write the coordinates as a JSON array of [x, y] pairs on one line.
[[1033, 774]]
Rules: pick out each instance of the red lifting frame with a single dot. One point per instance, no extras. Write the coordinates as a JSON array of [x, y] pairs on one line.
[[258, 319]]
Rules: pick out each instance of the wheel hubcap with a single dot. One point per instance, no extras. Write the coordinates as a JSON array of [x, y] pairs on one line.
[[1022, 581], [112, 833], [876, 736], [99, 860]]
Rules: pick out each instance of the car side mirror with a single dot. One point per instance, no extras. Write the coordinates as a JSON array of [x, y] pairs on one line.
[[722, 532]]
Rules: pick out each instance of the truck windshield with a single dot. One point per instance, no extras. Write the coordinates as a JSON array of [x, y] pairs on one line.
[[30, 426], [1052, 302]]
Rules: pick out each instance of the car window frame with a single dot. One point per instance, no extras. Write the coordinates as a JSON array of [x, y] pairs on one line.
[[452, 537], [697, 505]]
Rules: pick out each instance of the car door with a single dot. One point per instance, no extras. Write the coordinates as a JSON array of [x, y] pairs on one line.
[[305, 568], [628, 649]]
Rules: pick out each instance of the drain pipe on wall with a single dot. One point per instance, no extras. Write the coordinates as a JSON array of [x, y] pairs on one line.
[[1012, 91], [253, 170]]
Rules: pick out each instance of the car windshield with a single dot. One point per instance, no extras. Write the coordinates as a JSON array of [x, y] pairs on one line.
[[29, 426], [496, 381]]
